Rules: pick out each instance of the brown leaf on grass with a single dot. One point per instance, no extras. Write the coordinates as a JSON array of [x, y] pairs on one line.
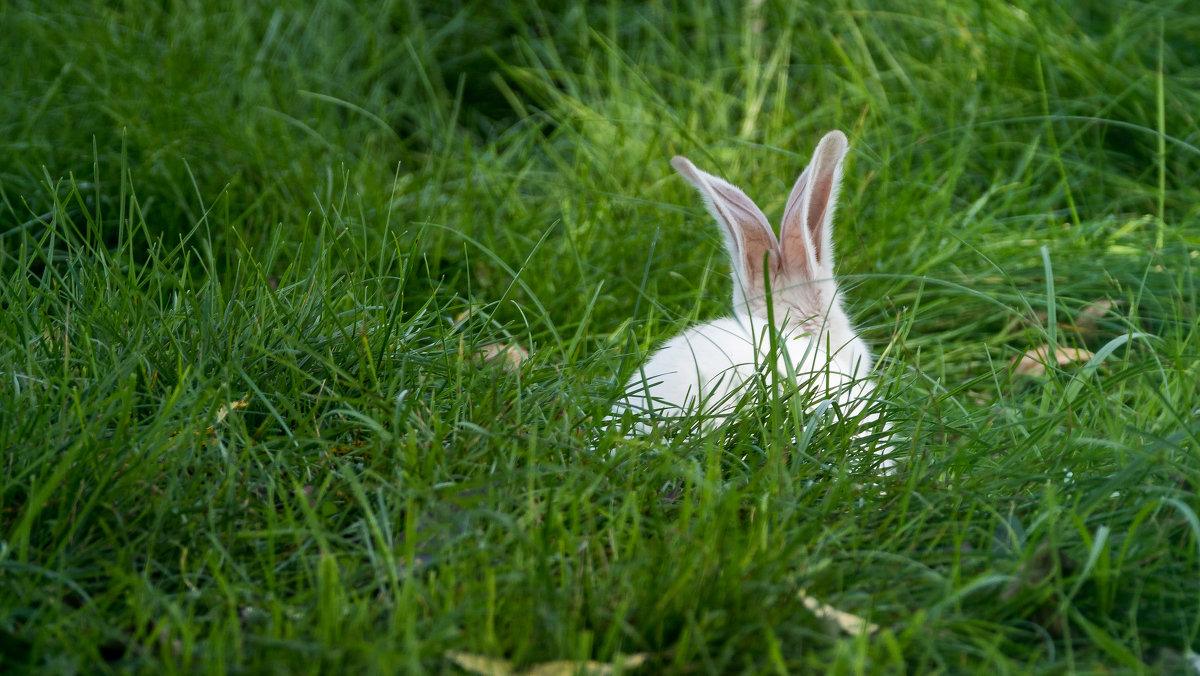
[[848, 623], [589, 667], [511, 354], [482, 665], [1033, 362], [1086, 320], [344, 449]]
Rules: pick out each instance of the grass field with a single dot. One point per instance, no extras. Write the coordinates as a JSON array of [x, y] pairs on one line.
[[249, 256]]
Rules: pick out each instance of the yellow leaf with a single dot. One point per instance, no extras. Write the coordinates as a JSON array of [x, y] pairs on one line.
[[1033, 362], [511, 353], [851, 624], [493, 666], [480, 664], [588, 668], [226, 409]]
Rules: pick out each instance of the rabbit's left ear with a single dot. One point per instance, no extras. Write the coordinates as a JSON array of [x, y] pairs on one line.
[[748, 236], [806, 236]]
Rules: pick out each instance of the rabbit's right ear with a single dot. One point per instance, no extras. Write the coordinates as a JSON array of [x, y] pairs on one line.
[[806, 235], [748, 236]]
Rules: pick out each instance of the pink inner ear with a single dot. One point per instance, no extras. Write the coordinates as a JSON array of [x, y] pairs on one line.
[[751, 230], [794, 253], [750, 236], [797, 191], [756, 247], [816, 212], [743, 213], [794, 231]]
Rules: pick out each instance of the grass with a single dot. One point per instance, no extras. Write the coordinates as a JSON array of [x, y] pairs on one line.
[[248, 256]]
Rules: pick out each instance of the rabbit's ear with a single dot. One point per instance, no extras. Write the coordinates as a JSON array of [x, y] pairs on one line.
[[748, 236], [806, 236]]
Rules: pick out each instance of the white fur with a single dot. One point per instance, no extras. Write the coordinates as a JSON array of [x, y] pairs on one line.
[[704, 370]]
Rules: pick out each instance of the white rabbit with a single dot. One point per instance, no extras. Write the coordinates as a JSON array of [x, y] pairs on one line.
[[819, 355]]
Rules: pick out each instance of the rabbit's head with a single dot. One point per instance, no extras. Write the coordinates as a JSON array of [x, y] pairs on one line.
[[799, 263]]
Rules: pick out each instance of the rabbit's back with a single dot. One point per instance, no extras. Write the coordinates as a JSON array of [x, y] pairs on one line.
[[702, 368], [705, 368]]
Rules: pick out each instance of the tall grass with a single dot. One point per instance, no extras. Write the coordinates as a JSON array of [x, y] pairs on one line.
[[249, 258]]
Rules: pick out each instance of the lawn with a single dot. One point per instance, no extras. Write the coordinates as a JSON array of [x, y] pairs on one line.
[[311, 314]]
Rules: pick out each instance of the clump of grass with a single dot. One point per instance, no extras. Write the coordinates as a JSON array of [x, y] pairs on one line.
[[249, 260]]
